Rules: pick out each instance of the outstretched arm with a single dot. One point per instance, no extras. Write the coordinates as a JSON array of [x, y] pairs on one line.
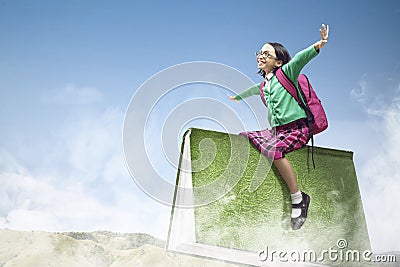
[[324, 31], [252, 90], [293, 68]]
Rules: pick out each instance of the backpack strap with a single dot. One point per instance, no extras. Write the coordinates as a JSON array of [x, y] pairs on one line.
[[292, 90], [262, 92], [288, 85]]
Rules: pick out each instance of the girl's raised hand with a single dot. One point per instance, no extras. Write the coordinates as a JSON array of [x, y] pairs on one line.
[[324, 32]]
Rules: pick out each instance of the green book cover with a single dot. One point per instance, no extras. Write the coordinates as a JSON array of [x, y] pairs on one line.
[[231, 204]]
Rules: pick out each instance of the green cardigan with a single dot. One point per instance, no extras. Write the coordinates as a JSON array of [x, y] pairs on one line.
[[282, 107]]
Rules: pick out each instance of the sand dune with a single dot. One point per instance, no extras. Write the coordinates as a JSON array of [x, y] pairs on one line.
[[37, 248]]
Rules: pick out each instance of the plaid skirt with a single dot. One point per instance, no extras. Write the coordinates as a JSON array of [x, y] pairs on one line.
[[276, 142]]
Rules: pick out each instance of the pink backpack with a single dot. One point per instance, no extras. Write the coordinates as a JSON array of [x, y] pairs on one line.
[[315, 112]]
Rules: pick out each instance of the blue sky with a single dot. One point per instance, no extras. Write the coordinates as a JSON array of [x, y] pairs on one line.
[[68, 70]]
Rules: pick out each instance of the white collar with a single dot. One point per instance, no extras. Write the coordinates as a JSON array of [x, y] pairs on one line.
[[269, 76]]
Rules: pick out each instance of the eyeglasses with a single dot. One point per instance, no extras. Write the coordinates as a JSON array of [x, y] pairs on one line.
[[265, 54]]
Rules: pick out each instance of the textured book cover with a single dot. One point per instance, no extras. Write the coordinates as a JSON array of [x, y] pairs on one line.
[[231, 204]]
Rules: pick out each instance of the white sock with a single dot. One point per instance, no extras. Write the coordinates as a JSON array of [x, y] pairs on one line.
[[296, 199]]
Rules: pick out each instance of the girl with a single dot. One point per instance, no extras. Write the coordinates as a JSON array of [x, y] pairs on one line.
[[289, 128]]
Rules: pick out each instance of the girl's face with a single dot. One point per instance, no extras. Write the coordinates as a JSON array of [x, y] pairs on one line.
[[267, 60]]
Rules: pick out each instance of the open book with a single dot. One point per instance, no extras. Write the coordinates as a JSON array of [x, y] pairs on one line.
[[231, 204]]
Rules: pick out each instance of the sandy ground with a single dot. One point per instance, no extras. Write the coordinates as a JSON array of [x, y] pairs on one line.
[[37, 248]]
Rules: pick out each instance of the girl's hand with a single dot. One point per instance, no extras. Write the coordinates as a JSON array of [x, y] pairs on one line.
[[324, 31], [233, 98]]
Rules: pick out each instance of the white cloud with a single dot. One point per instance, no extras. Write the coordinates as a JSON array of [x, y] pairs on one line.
[[80, 183], [360, 93], [71, 94], [91, 141], [30, 204], [381, 173]]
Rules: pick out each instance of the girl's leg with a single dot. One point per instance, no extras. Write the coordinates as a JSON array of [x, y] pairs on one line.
[[287, 173], [300, 201]]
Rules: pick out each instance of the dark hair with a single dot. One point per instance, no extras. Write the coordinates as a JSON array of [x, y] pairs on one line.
[[281, 53]]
